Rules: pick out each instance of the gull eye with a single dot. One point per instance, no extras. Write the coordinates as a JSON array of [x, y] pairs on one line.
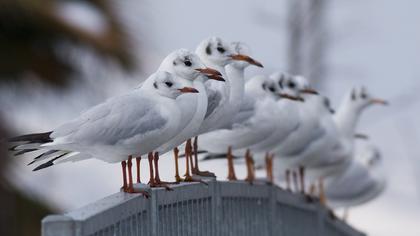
[[187, 63], [363, 95], [169, 84], [272, 89], [221, 49], [208, 49], [291, 84]]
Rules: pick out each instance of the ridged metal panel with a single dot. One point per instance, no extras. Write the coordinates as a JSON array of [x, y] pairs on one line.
[[219, 208]]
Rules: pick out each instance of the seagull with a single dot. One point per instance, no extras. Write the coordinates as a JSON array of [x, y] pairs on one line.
[[255, 120], [340, 131], [129, 125], [361, 182], [187, 66], [223, 101]]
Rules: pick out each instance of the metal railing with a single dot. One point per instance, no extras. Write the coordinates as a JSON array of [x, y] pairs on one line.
[[219, 208]]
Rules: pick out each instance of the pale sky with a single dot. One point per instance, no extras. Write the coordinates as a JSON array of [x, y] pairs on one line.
[[372, 42]]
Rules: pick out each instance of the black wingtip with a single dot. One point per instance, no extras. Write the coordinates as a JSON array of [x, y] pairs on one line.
[[24, 151], [36, 137], [48, 163], [217, 156], [45, 165]]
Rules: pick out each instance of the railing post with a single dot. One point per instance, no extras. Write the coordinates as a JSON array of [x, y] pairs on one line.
[[153, 209], [216, 222], [62, 225], [272, 203]]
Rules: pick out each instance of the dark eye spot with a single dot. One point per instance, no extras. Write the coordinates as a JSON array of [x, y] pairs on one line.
[[174, 63], [155, 85], [264, 86], [272, 89], [281, 83], [169, 84], [221, 49], [291, 84], [353, 95], [208, 49], [363, 95], [187, 63]]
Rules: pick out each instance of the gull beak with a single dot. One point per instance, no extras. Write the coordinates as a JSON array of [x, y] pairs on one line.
[[309, 91], [188, 90], [209, 71], [361, 136], [216, 77], [290, 97], [379, 101], [250, 60]]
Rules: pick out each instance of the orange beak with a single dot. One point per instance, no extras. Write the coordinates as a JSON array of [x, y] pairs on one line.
[[379, 101], [250, 60], [188, 90], [309, 91], [209, 71], [287, 96]]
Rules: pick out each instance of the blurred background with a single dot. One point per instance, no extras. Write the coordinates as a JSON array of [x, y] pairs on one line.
[[58, 58]]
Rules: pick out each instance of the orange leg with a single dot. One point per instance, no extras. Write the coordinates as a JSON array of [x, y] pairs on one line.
[[124, 174], [249, 165], [195, 168], [150, 158], [138, 159], [302, 179], [177, 177], [130, 175], [231, 168], [187, 175], [322, 198]]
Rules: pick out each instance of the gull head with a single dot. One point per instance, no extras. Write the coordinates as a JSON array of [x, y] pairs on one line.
[[166, 84], [303, 85], [186, 64], [241, 52], [215, 51], [360, 98], [262, 86], [287, 85]]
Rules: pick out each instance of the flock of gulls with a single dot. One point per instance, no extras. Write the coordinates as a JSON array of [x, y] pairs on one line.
[[203, 99]]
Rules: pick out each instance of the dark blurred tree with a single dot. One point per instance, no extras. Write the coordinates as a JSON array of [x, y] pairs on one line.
[[31, 33]]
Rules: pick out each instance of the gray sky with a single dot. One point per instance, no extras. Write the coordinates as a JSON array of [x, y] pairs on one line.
[[373, 42]]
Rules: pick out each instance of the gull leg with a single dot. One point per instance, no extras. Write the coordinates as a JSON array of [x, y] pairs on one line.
[[130, 178], [195, 168], [138, 159], [152, 179], [187, 175], [269, 167], [322, 198], [130, 175], [188, 158], [302, 179], [249, 161], [288, 180], [295, 181], [231, 168], [158, 182], [124, 175], [177, 177]]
